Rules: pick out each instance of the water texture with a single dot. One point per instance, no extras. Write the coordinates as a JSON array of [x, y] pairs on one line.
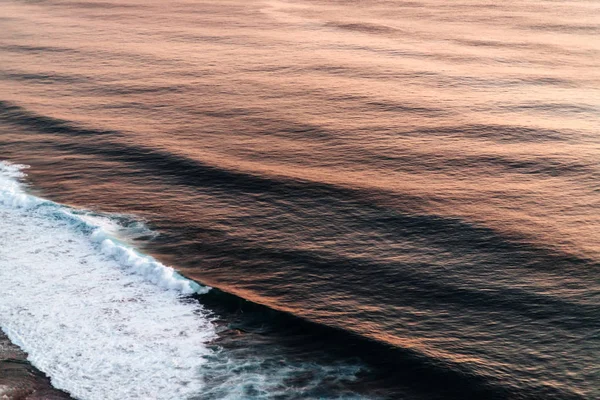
[[389, 199]]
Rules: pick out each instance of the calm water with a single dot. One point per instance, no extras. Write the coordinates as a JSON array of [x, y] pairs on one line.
[[391, 199]]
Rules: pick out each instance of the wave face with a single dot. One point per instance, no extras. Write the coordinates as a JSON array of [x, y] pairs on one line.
[[391, 199]]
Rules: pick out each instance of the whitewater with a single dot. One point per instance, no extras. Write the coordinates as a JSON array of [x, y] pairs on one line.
[[101, 319]]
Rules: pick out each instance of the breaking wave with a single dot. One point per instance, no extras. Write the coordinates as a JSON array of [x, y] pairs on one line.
[[106, 322], [96, 227], [102, 320]]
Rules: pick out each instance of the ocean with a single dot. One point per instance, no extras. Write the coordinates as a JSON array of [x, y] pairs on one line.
[[312, 199]]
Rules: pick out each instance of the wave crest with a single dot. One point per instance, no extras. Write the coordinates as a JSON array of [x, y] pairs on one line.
[[12, 194]]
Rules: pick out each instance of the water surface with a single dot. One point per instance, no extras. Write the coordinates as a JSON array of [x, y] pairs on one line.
[[412, 184]]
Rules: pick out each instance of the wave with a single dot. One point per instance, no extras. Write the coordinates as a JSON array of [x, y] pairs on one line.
[[102, 320], [19, 116], [12, 195]]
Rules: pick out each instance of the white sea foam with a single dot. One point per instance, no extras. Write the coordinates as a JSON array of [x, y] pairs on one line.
[[99, 229], [101, 319]]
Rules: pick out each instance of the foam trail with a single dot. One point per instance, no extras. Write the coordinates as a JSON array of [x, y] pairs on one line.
[[102, 320]]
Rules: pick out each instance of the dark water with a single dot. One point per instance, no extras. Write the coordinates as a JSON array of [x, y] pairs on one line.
[[408, 189]]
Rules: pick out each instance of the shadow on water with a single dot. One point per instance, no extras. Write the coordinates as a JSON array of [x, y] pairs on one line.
[[392, 372]]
